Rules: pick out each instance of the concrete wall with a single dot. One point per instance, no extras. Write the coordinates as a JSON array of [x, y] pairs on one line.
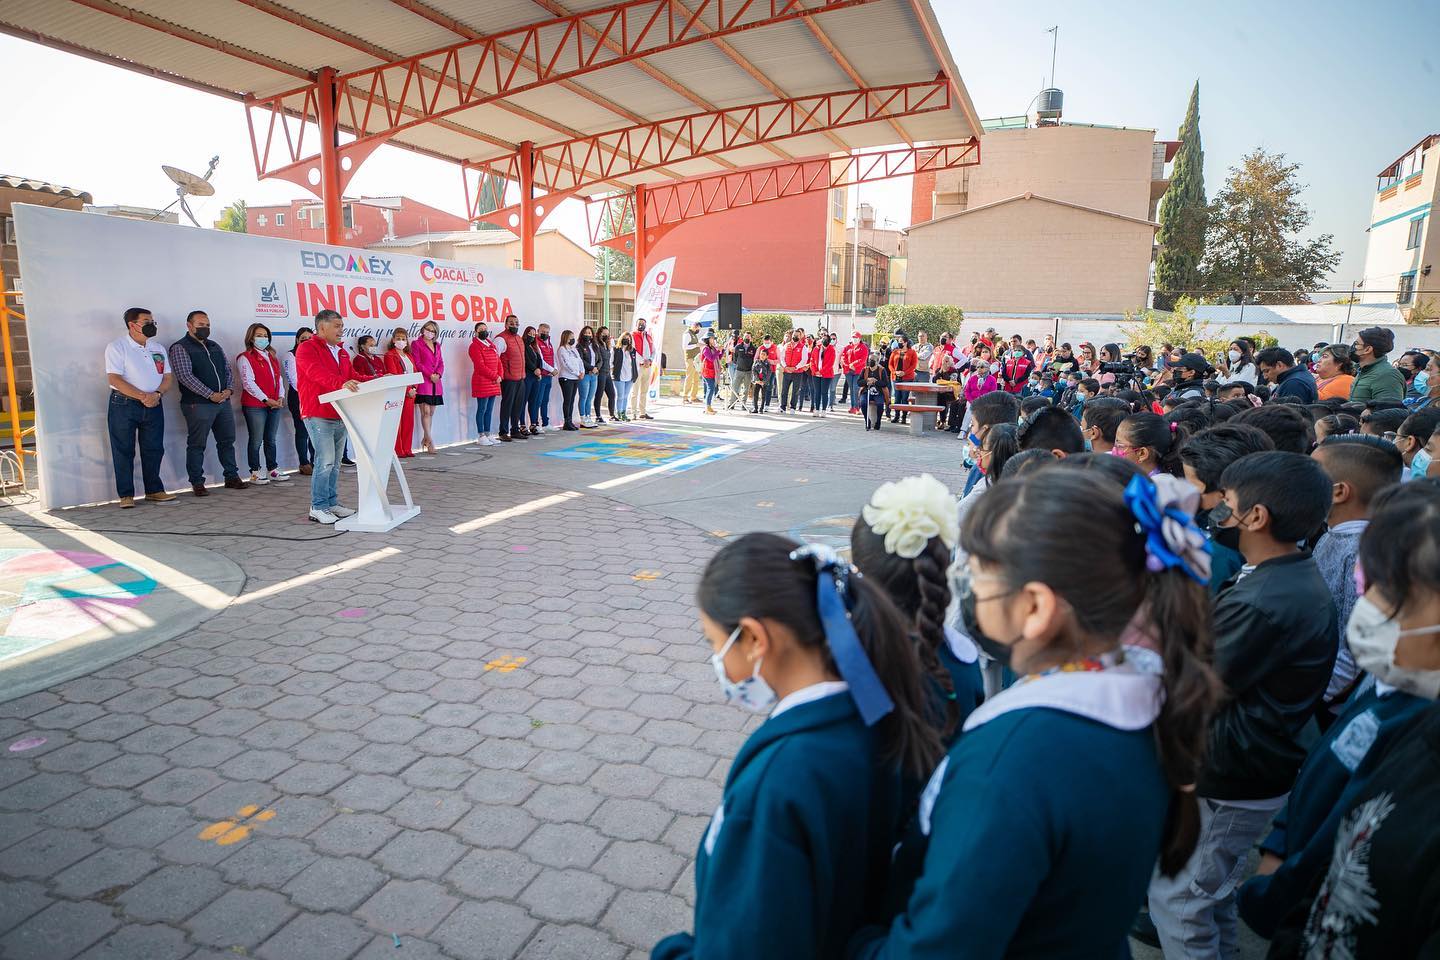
[[1099, 167], [772, 254], [1386, 257], [369, 222], [1030, 256]]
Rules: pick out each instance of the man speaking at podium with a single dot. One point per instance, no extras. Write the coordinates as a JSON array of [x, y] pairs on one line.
[[322, 365]]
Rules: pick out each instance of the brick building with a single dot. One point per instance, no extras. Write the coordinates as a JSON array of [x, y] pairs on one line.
[[368, 220]]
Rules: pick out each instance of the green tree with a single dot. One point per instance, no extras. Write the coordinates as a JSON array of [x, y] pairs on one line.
[[622, 265], [1178, 328], [934, 319], [1253, 251], [232, 218], [1183, 215], [491, 198]]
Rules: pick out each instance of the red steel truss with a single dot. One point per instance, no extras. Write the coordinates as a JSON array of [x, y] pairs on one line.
[[659, 208], [572, 166], [379, 102]]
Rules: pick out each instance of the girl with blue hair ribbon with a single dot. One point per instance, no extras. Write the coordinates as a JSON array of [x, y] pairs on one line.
[[1043, 825], [797, 856]]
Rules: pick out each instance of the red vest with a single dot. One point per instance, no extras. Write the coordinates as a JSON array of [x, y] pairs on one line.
[[267, 377], [512, 361]]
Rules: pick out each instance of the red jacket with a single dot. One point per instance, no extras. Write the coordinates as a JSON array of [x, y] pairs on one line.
[[824, 362], [512, 361], [854, 355], [902, 365], [319, 372], [367, 368], [792, 356], [395, 363], [485, 380], [266, 370]]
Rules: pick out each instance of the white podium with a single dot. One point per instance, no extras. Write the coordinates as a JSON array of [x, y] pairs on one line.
[[372, 416]]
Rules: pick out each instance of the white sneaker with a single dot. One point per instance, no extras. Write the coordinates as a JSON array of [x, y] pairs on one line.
[[322, 516], [279, 477], [342, 512], [259, 478]]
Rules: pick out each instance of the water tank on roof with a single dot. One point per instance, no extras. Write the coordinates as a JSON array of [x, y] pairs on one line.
[[1049, 104]]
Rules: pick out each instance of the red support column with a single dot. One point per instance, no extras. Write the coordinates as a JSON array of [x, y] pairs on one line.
[[642, 242], [527, 205], [330, 157]]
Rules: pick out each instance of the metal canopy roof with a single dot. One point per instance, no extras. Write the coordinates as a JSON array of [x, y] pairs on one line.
[[612, 92]]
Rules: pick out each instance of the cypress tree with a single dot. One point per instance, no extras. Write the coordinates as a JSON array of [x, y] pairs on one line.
[[1183, 216]]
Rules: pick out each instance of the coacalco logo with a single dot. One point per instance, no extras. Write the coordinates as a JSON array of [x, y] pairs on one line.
[[432, 272], [344, 263]]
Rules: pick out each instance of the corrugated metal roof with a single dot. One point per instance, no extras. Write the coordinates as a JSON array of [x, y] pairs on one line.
[[40, 186], [264, 47]]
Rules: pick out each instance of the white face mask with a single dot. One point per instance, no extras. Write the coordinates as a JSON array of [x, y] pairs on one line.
[[1373, 637], [1234, 356], [752, 693]]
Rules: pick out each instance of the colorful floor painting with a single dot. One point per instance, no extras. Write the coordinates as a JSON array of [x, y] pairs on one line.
[[648, 448], [49, 596], [833, 532]]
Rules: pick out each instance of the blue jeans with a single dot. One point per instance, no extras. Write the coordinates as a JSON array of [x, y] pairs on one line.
[[824, 393], [622, 397], [711, 388], [328, 436], [128, 419], [852, 388], [303, 449], [587, 394], [201, 420], [545, 384], [534, 387], [484, 408], [262, 424]]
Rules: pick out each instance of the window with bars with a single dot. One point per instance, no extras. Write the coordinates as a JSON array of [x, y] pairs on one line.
[[1407, 288]]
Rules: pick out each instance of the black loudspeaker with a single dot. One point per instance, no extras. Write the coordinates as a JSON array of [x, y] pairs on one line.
[[729, 311]]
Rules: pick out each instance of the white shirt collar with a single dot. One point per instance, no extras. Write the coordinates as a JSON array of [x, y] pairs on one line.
[[816, 691], [1126, 697], [962, 646]]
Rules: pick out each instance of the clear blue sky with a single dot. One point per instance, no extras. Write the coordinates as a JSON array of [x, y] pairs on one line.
[[1341, 88]]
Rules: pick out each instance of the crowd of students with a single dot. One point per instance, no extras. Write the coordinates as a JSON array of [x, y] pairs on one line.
[[1157, 632]]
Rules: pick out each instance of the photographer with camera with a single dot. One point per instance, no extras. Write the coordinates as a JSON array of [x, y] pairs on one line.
[[1113, 368]]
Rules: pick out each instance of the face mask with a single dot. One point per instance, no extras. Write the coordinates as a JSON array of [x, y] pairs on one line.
[[511, 328], [374, 350], [1373, 637], [1234, 356], [1422, 382], [429, 334], [545, 337], [1088, 445], [1017, 354], [640, 326], [261, 343], [399, 344], [148, 329], [752, 693], [483, 335], [201, 333], [1420, 465], [970, 623]]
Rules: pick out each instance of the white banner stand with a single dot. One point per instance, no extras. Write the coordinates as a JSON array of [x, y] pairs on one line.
[[372, 418]]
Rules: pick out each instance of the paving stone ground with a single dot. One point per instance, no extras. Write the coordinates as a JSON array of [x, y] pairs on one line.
[[325, 766], [352, 752]]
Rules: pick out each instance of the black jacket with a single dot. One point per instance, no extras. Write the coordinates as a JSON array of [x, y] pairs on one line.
[[603, 360], [589, 356], [533, 361], [744, 356], [1275, 646], [624, 365]]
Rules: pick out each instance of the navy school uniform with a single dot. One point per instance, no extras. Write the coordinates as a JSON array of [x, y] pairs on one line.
[[1337, 768], [796, 859], [1040, 831], [965, 676]]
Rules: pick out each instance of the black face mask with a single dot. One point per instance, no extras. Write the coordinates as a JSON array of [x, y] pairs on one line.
[[545, 337], [970, 623], [148, 329], [512, 329], [483, 334], [202, 333]]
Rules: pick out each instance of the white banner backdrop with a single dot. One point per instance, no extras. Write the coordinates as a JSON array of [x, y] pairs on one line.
[[83, 270], [651, 305]]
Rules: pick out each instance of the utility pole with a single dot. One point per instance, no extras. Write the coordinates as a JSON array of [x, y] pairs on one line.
[[1054, 46], [855, 268]]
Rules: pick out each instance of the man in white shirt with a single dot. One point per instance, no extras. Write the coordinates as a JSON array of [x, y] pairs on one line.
[[138, 371], [645, 360]]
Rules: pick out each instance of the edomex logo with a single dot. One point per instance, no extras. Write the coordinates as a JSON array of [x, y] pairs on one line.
[[344, 263]]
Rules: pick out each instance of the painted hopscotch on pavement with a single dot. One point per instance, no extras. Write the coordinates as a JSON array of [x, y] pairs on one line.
[[49, 596]]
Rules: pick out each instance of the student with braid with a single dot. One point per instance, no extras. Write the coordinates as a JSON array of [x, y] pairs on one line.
[[797, 856], [903, 542]]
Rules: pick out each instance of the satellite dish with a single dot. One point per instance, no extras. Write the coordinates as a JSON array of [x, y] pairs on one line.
[[189, 185]]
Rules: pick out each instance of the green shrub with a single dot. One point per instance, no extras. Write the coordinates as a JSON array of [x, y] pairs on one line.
[[934, 319]]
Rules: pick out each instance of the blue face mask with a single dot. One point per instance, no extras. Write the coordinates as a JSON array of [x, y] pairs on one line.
[[261, 343], [752, 693], [1420, 465], [1421, 384]]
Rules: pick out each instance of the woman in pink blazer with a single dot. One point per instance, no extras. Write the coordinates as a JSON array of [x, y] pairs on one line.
[[981, 381], [425, 352]]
